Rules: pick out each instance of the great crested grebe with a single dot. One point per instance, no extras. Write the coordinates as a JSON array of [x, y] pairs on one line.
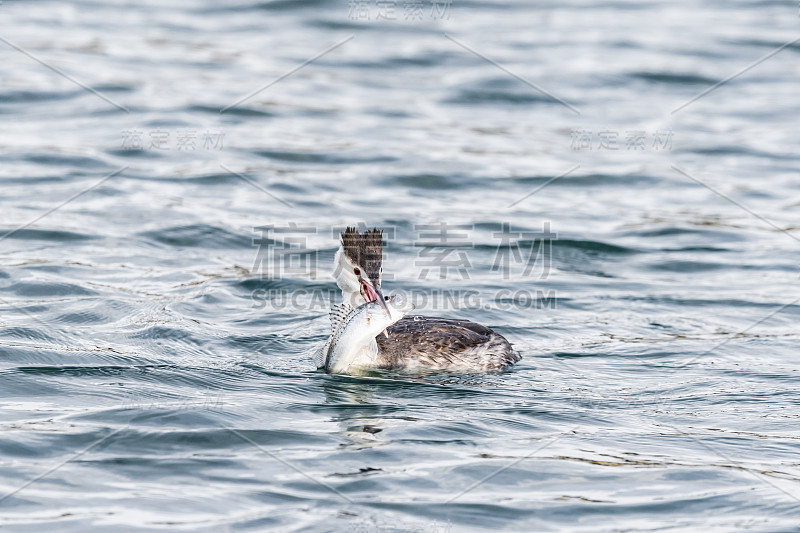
[[412, 341]]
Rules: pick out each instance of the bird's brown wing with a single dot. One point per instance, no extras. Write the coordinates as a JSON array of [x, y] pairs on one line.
[[444, 343]]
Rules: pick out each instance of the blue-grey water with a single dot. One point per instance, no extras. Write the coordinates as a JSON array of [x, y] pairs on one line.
[[173, 177]]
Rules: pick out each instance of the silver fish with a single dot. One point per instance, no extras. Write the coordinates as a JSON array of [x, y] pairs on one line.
[[351, 346]]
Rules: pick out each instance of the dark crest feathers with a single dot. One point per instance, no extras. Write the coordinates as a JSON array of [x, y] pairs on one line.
[[364, 249]]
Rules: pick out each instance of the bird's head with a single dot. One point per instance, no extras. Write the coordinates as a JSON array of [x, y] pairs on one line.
[[358, 266]]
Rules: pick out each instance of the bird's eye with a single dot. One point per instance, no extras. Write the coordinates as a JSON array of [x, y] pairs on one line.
[[356, 271], [387, 298]]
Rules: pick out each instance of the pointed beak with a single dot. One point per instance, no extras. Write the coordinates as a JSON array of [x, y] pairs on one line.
[[382, 301], [374, 294]]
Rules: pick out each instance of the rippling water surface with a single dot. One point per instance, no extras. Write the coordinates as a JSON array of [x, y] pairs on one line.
[[155, 378]]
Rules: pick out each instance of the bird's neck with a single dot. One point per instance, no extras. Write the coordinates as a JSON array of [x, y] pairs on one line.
[[353, 298]]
